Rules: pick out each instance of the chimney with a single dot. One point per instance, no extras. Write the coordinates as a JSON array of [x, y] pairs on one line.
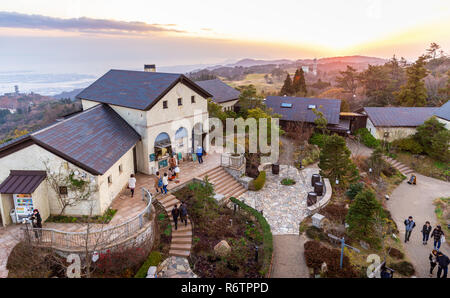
[[149, 67]]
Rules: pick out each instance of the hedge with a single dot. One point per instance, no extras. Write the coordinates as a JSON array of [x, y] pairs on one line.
[[408, 144], [267, 234], [153, 259], [367, 138], [259, 182]]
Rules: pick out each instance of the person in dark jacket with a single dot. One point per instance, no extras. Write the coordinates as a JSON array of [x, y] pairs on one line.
[[37, 222], [426, 230], [183, 213], [437, 234], [443, 262], [175, 214], [433, 260], [409, 226]]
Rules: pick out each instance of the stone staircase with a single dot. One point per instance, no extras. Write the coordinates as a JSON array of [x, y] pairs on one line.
[[399, 166], [182, 237], [224, 183]]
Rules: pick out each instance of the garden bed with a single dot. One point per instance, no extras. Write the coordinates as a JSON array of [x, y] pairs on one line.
[[213, 223], [425, 165], [100, 219]]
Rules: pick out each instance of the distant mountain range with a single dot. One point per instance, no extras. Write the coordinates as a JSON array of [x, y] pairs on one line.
[[68, 94]]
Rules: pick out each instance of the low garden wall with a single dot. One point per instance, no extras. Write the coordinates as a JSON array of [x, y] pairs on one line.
[[325, 199]]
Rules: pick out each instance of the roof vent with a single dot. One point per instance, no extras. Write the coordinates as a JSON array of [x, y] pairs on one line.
[[149, 67], [310, 107]]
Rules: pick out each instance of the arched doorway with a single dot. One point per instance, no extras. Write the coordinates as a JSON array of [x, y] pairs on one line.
[[198, 136], [163, 149]]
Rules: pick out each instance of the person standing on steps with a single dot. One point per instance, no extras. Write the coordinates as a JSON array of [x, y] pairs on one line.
[[132, 184], [200, 154], [437, 234], [426, 230], [175, 214], [160, 184], [156, 179], [183, 213], [443, 262], [433, 260], [409, 226], [165, 181]]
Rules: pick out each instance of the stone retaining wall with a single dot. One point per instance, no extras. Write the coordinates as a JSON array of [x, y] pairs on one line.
[[325, 199]]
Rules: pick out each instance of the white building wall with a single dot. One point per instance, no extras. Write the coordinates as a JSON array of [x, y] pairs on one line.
[[446, 122], [228, 105]]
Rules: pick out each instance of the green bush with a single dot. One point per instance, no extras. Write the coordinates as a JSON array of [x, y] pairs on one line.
[[354, 189], [408, 144], [259, 182], [404, 268], [318, 139], [267, 234], [153, 259], [288, 181], [315, 233], [367, 138]]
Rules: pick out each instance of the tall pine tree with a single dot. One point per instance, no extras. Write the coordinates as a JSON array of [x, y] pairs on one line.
[[335, 162], [414, 93], [287, 87], [299, 83]]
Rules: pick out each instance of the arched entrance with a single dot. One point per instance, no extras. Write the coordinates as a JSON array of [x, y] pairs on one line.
[[198, 136], [163, 149]]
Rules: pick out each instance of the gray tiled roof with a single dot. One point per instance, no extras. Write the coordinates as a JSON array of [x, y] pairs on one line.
[[444, 111], [399, 116], [220, 91], [94, 139], [22, 182], [299, 110], [134, 89]]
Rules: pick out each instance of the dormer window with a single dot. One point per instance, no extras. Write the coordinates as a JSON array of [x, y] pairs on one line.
[[164, 104]]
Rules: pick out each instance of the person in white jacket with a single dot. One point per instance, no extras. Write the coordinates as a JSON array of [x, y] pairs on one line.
[[165, 182]]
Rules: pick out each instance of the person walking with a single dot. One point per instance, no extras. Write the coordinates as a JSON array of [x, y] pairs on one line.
[[437, 234], [433, 260], [409, 226], [183, 213], [36, 220], [175, 214], [132, 184], [156, 179], [160, 184], [165, 181], [443, 262], [200, 154], [426, 230]]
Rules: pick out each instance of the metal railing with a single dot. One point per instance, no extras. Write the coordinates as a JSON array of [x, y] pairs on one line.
[[231, 161], [93, 238]]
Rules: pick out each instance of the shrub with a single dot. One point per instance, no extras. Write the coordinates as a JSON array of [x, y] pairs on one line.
[[267, 234], [154, 258], [389, 171], [315, 233], [408, 144], [335, 212], [259, 182], [354, 189], [395, 253], [367, 138], [404, 268], [287, 181], [318, 139]]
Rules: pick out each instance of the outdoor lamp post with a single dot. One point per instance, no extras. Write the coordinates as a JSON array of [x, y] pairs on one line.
[[256, 253]]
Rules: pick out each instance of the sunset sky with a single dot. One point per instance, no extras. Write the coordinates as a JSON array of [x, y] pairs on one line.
[[93, 35]]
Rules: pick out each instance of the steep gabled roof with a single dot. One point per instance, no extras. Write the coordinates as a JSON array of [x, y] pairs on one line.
[[298, 108], [399, 116], [93, 140], [135, 89], [220, 91], [444, 111]]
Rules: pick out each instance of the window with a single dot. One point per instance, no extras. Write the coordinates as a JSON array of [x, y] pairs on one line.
[[180, 101], [63, 190], [120, 168], [310, 107], [386, 134], [193, 99], [109, 179], [164, 104]]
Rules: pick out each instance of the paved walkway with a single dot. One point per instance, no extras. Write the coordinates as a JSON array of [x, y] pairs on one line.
[[289, 258], [175, 267], [284, 207], [417, 201], [9, 237]]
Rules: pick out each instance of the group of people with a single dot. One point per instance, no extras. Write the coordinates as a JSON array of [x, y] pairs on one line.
[[180, 212], [436, 257]]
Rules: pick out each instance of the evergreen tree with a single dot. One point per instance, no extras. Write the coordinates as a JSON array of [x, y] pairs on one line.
[[348, 80], [335, 162], [414, 93], [321, 122], [287, 87], [434, 138], [362, 215], [299, 83]]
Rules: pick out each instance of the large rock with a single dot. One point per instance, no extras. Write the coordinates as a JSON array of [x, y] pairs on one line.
[[222, 248]]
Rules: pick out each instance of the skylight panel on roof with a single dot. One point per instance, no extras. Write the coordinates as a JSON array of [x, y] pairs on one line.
[[310, 107], [286, 105]]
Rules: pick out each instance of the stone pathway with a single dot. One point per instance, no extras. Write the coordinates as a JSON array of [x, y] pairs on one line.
[[9, 237], [175, 267], [417, 201], [284, 207]]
